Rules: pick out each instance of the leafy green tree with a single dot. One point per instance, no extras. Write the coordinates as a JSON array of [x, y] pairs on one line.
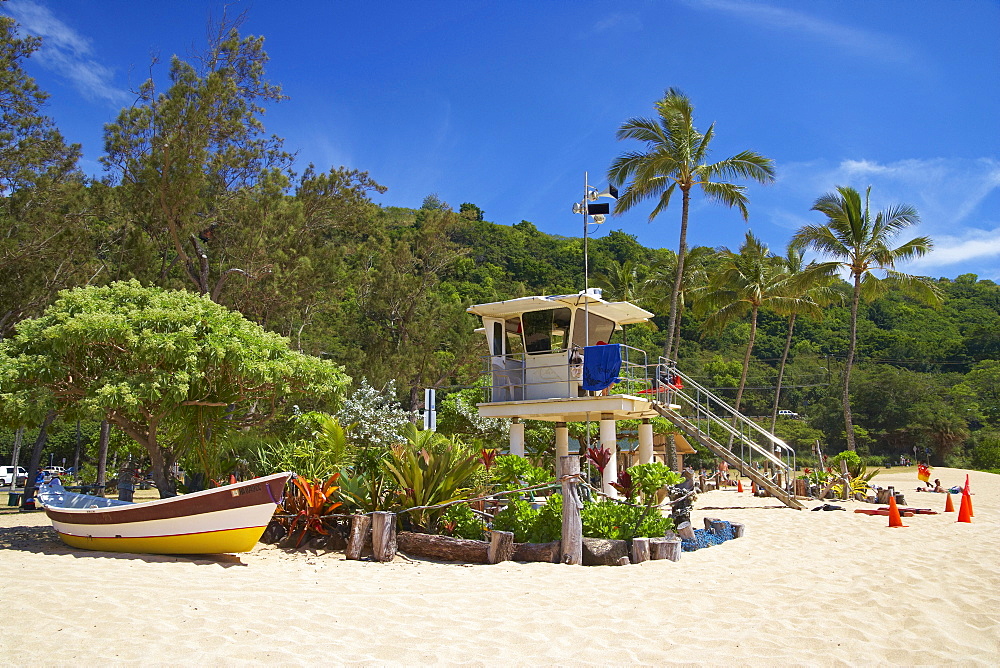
[[32, 150], [151, 361], [861, 243], [661, 282], [44, 245], [189, 158], [676, 157]]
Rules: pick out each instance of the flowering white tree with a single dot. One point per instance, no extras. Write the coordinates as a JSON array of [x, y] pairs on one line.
[[376, 415]]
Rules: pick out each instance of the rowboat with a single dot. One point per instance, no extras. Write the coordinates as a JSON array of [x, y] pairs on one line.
[[224, 519]]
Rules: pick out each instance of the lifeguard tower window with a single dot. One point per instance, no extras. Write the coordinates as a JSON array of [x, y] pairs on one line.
[[545, 331], [601, 329]]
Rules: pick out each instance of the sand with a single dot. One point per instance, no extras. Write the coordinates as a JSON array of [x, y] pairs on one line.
[[801, 588]]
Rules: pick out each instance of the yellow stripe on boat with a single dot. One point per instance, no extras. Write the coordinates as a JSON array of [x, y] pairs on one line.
[[211, 542]]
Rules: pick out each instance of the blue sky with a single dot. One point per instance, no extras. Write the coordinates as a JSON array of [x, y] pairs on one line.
[[507, 104]]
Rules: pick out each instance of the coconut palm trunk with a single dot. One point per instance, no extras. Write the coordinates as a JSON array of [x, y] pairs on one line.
[[670, 349], [781, 370], [848, 420]]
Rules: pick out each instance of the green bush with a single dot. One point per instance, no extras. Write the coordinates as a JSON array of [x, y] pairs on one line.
[[529, 525], [986, 453], [615, 521], [513, 472], [459, 520]]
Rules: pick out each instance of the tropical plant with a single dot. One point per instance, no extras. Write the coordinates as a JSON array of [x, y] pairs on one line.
[[429, 478], [676, 157], [649, 479], [860, 242], [309, 502], [662, 275]]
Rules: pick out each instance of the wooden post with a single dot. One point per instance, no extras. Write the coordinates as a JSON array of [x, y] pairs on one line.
[[640, 550], [665, 548], [737, 529], [501, 547], [572, 524], [384, 536], [684, 530], [361, 531]]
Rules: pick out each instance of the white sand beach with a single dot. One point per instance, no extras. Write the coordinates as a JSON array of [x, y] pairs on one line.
[[800, 588]]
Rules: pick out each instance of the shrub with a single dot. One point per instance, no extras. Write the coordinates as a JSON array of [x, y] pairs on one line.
[[459, 520], [615, 521], [530, 525]]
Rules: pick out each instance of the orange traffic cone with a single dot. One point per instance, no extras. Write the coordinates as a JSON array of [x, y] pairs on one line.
[[753, 487], [739, 486], [949, 507], [967, 492], [965, 509], [894, 519]]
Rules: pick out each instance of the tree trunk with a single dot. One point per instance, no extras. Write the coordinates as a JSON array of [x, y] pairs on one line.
[[848, 422], [102, 456], [781, 371], [746, 366], [76, 453], [669, 349], [36, 457]]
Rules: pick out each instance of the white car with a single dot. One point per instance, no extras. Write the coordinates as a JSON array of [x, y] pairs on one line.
[[788, 414], [7, 476]]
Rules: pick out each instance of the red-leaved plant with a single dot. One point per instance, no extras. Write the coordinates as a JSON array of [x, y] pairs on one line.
[[601, 457]]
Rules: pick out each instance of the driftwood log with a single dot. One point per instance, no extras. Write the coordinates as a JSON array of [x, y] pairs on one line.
[[384, 536], [544, 552], [359, 537], [640, 550], [445, 548], [501, 547]]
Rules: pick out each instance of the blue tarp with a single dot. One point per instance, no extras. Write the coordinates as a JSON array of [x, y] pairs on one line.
[[601, 366]]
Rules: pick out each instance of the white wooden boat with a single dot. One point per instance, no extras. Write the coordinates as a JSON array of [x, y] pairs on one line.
[[224, 519]]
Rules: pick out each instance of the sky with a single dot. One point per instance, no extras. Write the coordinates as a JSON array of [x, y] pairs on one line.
[[508, 104]]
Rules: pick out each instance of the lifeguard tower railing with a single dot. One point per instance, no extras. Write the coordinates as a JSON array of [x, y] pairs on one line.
[[735, 438], [527, 377]]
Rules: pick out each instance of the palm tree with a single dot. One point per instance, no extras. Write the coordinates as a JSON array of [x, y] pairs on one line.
[[860, 243], [624, 281], [662, 275], [743, 283], [676, 156], [815, 285]]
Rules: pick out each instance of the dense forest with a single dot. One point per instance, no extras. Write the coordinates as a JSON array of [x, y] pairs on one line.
[[197, 196]]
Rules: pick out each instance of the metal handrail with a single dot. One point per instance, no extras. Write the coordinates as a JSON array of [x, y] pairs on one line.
[[709, 410]]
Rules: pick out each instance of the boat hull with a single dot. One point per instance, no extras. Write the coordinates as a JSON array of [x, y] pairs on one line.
[[220, 520]]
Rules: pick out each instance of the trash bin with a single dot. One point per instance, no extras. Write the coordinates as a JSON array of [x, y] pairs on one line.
[[14, 499]]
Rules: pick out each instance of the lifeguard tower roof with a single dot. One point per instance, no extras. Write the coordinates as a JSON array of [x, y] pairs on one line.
[[622, 313]]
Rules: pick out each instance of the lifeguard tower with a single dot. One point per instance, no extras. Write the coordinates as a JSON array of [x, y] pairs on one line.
[[553, 358]]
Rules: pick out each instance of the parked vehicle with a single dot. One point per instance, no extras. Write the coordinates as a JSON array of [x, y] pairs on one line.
[[54, 472], [7, 476], [791, 415]]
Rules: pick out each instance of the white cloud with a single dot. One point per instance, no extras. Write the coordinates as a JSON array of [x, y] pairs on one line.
[[957, 201], [66, 52], [849, 38]]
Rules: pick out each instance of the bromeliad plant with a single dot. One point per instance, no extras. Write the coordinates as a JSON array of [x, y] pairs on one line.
[[309, 502], [429, 478]]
